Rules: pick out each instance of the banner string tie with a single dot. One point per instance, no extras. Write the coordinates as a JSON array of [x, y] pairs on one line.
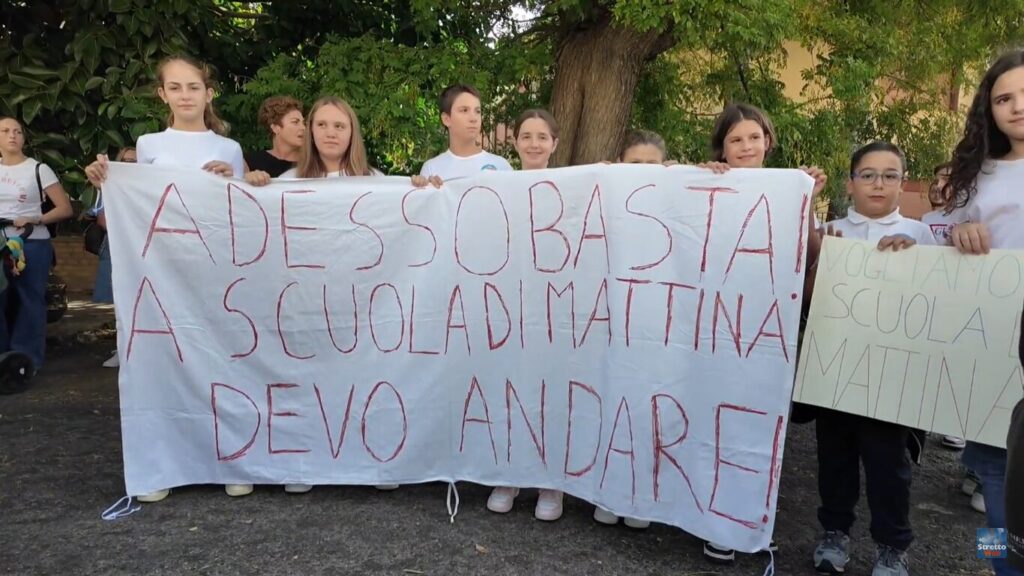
[[121, 508], [452, 489], [770, 569]]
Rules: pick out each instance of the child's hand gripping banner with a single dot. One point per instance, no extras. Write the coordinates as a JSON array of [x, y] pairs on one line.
[[924, 337], [625, 334]]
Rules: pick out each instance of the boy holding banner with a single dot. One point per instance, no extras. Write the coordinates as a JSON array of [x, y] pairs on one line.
[[877, 173], [461, 116]]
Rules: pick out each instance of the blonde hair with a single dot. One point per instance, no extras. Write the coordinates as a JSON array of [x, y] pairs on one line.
[[210, 118], [354, 163]]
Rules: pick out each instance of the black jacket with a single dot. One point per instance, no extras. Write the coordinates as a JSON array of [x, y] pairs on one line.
[[1015, 478]]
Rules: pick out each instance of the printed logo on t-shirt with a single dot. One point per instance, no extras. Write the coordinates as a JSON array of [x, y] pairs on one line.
[[488, 167], [22, 194], [941, 231]]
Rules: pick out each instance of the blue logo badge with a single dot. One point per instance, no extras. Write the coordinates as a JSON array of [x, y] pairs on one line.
[[488, 167], [991, 543]]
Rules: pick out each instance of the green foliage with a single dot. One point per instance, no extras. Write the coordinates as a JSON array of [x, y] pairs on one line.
[[398, 109], [79, 73], [882, 72]]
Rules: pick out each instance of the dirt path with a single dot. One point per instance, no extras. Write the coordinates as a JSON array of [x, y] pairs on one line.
[[60, 466]]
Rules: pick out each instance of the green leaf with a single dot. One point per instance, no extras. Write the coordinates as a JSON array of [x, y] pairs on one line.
[[37, 71], [93, 83], [75, 177], [26, 82], [30, 110], [133, 110], [120, 6], [67, 72], [140, 128], [53, 157], [91, 55], [18, 99], [134, 67], [114, 137]]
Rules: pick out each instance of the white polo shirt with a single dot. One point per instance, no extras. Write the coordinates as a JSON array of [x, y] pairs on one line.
[[856, 226]]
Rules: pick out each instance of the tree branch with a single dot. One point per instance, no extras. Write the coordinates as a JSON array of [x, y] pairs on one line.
[[242, 15], [743, 76]]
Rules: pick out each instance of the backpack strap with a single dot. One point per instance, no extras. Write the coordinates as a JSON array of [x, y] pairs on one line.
[[39, 182], [42, 200]]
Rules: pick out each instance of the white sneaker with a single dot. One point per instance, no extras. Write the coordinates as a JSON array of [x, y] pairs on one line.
[[635, 523], [501, 499], [386, 487], [978, 500], [718, 554], [970, 483], [236, 490], [112, 362], [297, 488], [605, 517], [153, 496], [953, 442], [549, 506]]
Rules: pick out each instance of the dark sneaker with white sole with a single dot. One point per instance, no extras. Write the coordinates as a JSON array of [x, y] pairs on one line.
[[832, 554]]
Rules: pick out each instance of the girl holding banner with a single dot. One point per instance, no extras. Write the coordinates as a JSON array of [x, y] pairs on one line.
[[332, 147], [984, 184], [638, 147], [194, 137], [744, 137], [536, 137]]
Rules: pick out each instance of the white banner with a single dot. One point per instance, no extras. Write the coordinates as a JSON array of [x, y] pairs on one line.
[[924, 337], [626, 334]]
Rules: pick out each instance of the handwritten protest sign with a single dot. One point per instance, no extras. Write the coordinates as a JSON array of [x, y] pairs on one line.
[[626, 334], [924, 337]]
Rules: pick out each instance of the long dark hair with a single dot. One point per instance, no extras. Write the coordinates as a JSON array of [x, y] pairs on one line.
[[982, 140]]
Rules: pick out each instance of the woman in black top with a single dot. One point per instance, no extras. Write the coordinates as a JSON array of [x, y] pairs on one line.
[[282, 115]]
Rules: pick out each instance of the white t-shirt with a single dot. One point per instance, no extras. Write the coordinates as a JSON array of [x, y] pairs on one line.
[[940, 224], [20, 195], [292, 174], [999, 203], [194, 149], [856, 226], [449, 166]]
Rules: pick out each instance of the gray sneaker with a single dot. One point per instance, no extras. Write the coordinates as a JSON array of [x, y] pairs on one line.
[[891, 562], [831, 556]]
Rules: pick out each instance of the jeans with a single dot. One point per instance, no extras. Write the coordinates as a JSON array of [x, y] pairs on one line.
[[103, 290], [27, 332], [989, 463]]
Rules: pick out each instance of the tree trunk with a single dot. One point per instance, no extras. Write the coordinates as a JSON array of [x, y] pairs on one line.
[[596, 73]]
